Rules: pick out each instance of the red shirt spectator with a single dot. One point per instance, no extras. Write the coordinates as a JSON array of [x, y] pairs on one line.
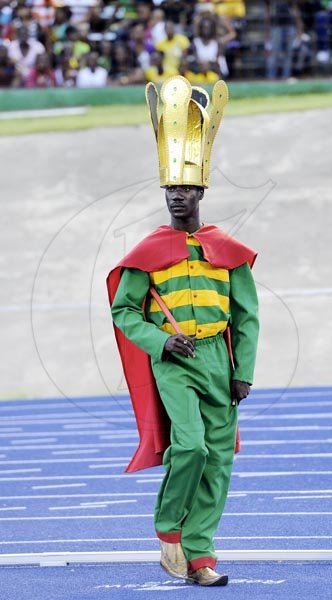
[[41, 75]]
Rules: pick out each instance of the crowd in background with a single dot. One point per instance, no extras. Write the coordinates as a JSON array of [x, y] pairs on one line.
[[95, 43]]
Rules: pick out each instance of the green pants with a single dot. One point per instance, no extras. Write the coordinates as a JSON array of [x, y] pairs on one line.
[[198, 463]]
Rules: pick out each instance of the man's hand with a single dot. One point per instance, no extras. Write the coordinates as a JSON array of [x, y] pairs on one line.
[[181, 343], [239, 390]]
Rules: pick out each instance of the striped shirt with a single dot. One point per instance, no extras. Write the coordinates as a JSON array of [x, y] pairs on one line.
[[202, 299], [195, 292]]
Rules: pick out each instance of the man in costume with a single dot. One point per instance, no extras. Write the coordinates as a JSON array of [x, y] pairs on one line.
[[176, 298]]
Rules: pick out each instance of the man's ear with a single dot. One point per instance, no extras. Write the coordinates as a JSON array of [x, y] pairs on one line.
[[201, 193]]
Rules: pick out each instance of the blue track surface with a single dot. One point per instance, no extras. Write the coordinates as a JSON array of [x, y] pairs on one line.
[[63, 489], [127, 582]]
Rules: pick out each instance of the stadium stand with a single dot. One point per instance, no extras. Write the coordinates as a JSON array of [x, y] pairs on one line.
[[95, 43]]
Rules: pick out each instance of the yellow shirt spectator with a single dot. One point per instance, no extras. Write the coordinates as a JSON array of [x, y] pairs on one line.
[[230, 8], [172, 47], [209, 77]]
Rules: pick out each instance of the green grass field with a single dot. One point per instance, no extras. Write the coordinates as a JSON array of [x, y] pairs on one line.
[[115, 115]]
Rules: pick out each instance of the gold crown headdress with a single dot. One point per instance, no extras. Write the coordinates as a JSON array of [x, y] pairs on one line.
[[185, 131]]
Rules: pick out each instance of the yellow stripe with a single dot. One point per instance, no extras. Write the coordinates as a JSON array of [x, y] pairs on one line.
[[172, 300], [200, 331], [188, 327], [178, 270], [194, 297], [192, 241], [200, 268], [210, 298], [193, 268], [209, 329]]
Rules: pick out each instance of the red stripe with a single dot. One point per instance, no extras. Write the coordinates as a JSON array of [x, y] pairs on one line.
[[172, 538], [202, 561]]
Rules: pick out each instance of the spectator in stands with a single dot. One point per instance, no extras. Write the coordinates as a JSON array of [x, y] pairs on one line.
[[6, 18], [8, 75], [208, 49], [284, 25], [41, 75], [173, 47], [61, 22], [144, 13], [179, 12], [140, 47], [205, 75], [79, 9], [323, 27], [157, 26], [72, 39], [66, 68], [92, 75], [230, 8], [124, 70], [43, 12], [155, 72], [23, 51], [105, 58]]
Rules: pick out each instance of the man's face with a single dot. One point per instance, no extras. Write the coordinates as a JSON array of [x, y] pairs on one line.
[[183, 200]]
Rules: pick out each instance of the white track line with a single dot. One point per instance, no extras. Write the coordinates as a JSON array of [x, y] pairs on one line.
[[91, 451], [293, 456], [7, 471], [232, 494], [285, 417], [35, 440], [59, 485], [93, 419], [137, 556], [302, 497], [252, 405], [154, 539], [154, 477], [51, 447], [93, 505], [302, 442], [107, 466], [281, 473], [10, 429], [150, 515], [265, 428], [52, 461], [41, 434], [13, 508]]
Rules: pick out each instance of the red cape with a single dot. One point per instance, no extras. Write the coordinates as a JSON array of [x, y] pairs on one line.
[[161, 249]]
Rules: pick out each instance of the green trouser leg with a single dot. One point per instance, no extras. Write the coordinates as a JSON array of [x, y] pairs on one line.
[[198, 463]]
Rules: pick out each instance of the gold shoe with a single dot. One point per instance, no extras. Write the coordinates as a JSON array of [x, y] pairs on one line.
[[173, 560], [207, 576]]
